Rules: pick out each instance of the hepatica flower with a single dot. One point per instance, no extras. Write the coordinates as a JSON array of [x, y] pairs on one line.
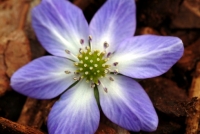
[[102, 55]]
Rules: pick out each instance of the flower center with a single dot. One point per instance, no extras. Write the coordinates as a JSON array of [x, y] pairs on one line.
[[92, 65]]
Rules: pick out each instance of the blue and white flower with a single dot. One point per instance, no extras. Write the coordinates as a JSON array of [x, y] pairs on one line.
[[102, 55]]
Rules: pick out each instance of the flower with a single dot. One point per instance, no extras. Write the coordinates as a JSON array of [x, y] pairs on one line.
[[104, 55]]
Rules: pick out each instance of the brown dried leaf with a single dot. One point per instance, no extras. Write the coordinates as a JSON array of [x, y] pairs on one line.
[[190, 57], [10, 36], [166, 96]]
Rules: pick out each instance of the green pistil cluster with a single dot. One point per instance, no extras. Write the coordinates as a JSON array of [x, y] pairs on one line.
[[91, 65]]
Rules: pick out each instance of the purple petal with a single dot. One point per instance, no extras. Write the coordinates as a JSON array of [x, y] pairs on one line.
[[59, 25], [76, 112], [114, 22], [127, 104], [43, 78], [147, 55]]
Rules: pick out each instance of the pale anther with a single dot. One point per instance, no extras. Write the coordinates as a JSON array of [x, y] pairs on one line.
[[108, 55], [98, 71], [67, 72], [116, 71], [86, 73], [102, 53], [87, 47], [106, 71], [76, 72], [99, 82], [115, 63], [106, 59], [67, 51], [105, 89], [98, 59], [85, 65], [76, 64], [92, 85], [90, 53], [81, 41], [80, 50], [95, 65], [106, 45], [75, 78], [80, 56], [81, 69], [91, 68], [91, 61], [110, 78], [90, 38]]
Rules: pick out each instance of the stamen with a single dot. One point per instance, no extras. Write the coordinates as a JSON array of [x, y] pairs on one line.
[[92, 85], [105, 89], [80, 50], [90, 38], [75, 78], [76, 73], [86, 73], [75, 63], [109, 54], [90, 41], [106, 59], [106, 45], [110, 78], [99, 82], [82, 41], [91, 61], [116, 71], [80, 55], [68, 52], [67, 72], [115, 63], [102, 53], [91, 68], [87, 47]]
